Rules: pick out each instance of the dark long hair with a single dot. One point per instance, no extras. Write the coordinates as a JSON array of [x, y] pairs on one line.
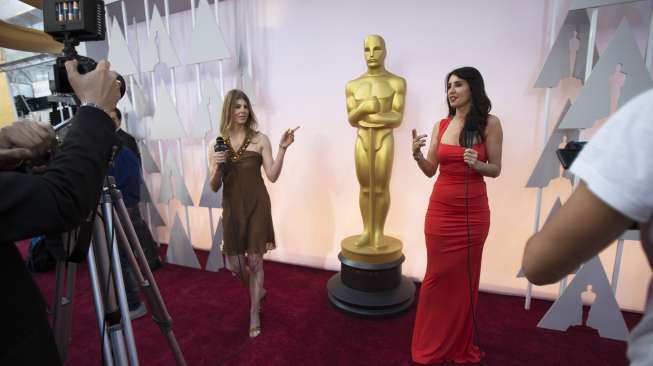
[[480, 103]]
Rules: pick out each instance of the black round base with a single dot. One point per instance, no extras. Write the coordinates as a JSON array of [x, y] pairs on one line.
[[371, 290]]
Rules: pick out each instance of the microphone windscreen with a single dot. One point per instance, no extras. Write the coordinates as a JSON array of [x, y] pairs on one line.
[[471, 129], [219, 144]]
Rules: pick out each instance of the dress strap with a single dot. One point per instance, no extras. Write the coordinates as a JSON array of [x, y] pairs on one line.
[[443, 126], [235, 155]]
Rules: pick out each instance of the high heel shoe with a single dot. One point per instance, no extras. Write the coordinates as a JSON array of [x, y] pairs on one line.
[[255, 330]]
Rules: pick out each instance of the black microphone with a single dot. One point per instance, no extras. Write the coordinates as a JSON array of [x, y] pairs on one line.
[[220, 145], [471, 130]]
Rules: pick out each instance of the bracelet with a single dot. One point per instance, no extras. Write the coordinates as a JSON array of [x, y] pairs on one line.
[[281, 147]]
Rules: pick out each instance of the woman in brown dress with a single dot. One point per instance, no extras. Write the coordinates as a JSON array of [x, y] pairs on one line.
[[246, 215]]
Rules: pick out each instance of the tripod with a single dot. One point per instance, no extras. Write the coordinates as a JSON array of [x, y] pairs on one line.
[[107, 283]]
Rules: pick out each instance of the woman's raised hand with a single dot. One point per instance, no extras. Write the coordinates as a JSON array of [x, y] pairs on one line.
[[288, 138], [419, 141]]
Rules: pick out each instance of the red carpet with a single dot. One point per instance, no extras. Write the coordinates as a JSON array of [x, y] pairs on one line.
[[300, 327]]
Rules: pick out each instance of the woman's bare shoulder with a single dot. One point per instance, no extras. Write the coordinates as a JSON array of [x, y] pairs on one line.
[[493, 121]]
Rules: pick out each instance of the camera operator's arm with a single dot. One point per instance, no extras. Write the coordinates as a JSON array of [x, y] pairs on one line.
[[616, 176], [582, 228], [69, 190]]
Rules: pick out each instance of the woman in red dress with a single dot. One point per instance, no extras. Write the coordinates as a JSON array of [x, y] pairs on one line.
[[457, 220]]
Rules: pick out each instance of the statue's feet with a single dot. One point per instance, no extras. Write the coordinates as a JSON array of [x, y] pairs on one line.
[[378, 242], [363, 239]]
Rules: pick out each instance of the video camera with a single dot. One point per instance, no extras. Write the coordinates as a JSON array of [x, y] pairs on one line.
[[71, 22]]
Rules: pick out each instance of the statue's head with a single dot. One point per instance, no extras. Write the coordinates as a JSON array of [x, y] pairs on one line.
[[374, 47]]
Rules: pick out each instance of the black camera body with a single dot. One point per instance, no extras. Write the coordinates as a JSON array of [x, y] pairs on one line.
[[60, 84]]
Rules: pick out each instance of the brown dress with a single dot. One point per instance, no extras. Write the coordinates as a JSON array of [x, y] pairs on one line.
[[247, 217]]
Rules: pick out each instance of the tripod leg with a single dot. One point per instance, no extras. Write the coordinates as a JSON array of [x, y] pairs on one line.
[[99, 308], [144, 276], [128, 332], [116, 329], [109, 321], [63, 306]]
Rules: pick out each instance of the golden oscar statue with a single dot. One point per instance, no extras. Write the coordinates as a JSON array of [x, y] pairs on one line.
[[370, 282], [375, 105]]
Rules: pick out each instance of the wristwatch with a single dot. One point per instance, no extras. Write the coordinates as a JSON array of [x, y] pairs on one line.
[[93, 105], [90, 104]]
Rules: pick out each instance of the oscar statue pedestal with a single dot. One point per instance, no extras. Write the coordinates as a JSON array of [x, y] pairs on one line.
[[370, 283]]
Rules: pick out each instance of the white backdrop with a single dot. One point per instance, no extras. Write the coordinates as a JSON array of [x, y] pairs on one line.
[[304, 52], [307, 50]]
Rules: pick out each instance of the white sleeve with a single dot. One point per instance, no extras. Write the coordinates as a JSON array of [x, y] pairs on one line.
[[617, 163]]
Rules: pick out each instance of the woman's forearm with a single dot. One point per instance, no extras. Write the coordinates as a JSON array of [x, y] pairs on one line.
[[275, 172], [487, 169], [216, 179], [427, 167]]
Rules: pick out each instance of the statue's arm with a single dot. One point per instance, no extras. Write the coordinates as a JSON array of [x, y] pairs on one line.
[[359, 111], [353, 113], [393, 118]]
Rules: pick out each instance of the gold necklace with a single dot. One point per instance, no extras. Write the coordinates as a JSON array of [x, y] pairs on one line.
[[235, 156]]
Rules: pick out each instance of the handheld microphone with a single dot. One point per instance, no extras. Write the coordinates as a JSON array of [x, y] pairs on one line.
[[471, 130], [220, 145]]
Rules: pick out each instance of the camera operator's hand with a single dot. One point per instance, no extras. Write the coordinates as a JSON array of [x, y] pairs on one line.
[[98, 86], [24, 140]]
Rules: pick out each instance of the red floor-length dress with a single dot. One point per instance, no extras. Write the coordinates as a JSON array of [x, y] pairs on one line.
[[443, 325]]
